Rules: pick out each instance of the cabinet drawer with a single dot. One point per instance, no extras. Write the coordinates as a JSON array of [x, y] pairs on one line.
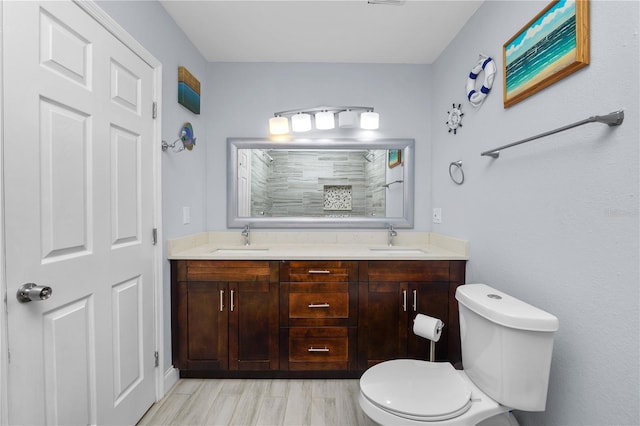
[[228, 270], [321, 345], [319, 305], [318, 271], [408, 270]]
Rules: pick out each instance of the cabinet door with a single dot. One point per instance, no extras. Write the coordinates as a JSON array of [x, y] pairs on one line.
[[203, 324], [253, 326], [430, 299], [382, 331]]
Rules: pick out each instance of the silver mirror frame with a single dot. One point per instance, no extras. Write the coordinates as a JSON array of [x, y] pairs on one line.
[[234, 144]]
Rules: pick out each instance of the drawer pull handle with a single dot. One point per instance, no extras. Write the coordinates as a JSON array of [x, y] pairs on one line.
[[319, 271], [312, 349], [319, 305]]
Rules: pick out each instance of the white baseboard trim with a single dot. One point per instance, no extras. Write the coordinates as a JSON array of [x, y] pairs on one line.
[[171, 377]]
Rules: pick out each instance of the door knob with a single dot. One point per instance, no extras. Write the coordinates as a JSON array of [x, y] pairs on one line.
[[32, 292]]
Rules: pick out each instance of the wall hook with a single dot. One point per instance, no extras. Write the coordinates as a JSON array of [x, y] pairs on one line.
[[186, 137]]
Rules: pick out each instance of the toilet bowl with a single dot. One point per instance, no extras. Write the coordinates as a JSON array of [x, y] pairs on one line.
[[506, 352], [415, 392]]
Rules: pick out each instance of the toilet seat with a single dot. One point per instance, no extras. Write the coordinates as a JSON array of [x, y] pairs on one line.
[[416, 390]]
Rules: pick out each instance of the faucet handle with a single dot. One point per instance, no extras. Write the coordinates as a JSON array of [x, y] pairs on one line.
[[245, 234]]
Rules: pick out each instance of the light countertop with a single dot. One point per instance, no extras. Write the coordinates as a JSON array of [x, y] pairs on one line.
[[320, 245]]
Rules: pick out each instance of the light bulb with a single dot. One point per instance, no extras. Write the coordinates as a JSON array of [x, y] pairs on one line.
[[301, 122], [369, 120], [278, 125], [325, 120], [347, 119]]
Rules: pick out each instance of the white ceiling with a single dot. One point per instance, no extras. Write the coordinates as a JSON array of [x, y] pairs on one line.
[[350, 31]]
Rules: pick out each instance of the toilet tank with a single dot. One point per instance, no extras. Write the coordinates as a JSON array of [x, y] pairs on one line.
[[506, 346]]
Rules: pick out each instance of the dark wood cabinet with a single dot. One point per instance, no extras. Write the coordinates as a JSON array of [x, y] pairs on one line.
[[391, 294], [225, 316], [318, 315], [302, 318]]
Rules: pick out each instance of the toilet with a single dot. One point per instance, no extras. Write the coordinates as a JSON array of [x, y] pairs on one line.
[[506, 353]]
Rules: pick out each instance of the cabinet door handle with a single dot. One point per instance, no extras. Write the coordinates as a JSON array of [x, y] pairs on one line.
[[319, 305], [232, 304], [319, 271], [404, 300], [312, 349], [415, 300], [221, 300]]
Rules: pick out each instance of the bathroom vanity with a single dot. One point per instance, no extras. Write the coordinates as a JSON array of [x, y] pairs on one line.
[[293, 310]]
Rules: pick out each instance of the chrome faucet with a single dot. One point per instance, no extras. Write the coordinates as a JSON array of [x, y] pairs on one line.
[[392, 233], [246, 235]]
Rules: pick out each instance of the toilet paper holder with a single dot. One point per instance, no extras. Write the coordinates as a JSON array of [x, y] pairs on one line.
[[432, 350], [430, 328]]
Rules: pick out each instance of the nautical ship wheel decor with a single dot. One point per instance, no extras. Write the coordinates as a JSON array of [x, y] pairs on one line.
[[455, 118]]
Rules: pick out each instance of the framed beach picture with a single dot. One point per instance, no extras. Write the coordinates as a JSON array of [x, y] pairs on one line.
[[551, 46], [395, 157]]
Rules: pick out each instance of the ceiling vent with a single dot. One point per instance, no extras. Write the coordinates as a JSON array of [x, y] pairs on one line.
[[390, 2]]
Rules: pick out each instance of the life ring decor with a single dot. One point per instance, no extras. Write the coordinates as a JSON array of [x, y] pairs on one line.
[[487, 65], [455, 118]]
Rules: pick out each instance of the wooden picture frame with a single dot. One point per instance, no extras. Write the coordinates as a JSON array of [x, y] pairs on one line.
[[554, 44], [394, 158]]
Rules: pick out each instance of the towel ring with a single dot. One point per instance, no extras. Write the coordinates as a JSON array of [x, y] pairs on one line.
[[458, 166]]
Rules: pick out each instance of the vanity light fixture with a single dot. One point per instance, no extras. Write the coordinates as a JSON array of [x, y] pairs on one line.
[[324, 118]]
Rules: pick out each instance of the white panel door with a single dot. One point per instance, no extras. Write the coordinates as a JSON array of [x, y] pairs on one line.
[[244, 182], [78, 216]]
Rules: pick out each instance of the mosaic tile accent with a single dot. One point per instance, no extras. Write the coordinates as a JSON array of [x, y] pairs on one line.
[[337, 197]]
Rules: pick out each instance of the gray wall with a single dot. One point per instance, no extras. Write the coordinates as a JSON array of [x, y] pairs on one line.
[[242, 97], [555, 221], [183, 174]]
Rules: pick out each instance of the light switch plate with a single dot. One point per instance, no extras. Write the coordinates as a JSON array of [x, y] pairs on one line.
[[186, 215]]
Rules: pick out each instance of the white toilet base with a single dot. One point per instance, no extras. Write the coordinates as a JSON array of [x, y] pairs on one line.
[[482, 408]]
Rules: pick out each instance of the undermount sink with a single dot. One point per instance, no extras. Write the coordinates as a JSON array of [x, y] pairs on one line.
[[240, 250], [398, 250]]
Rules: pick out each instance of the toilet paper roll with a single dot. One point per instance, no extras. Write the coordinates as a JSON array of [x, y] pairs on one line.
[[427, 327]]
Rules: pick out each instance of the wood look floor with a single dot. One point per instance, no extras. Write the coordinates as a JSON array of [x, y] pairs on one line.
[[259, 402]]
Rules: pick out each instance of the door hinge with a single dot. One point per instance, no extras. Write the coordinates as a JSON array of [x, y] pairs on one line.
[[154, 110], [154, 236], [156, 357]]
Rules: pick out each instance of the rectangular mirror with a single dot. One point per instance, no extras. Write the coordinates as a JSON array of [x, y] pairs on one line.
[[319, 183]]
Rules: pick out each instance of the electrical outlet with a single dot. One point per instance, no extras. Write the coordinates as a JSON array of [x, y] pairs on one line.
[[437, 215]]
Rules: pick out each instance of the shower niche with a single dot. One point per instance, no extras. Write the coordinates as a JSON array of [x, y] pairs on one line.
[[311, 183]]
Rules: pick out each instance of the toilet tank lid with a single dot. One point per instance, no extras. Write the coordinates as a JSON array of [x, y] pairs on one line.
[[505, 310]]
